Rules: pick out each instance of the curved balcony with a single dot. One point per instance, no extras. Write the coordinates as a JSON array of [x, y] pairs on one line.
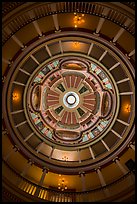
[[105, 193]]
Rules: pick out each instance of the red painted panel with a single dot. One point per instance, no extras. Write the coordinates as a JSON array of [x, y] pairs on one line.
[[64, 118], [74, 120], [77, 81], [90, 107], [53, 93], [89, 96], [90, 101], [52, 98], [73, 80], [67, 81], [50, 103], [69, 118]]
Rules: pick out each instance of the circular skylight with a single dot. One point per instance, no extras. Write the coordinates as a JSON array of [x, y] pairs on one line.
[[71, 99]]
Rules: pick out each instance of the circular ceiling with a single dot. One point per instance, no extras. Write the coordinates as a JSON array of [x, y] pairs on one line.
[[68, 95], [72, 101]]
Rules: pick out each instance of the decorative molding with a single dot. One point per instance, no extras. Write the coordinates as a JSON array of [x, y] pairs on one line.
[[46, 10]]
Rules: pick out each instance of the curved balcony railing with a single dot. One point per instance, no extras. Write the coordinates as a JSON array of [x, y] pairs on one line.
[[42, 10], [48, 194]]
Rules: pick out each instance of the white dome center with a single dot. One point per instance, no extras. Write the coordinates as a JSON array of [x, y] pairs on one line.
[[71, 99]]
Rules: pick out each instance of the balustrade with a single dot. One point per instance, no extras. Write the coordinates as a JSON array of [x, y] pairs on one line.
[[48, 194]]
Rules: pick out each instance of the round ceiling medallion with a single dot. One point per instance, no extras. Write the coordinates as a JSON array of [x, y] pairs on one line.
[[71, 106]]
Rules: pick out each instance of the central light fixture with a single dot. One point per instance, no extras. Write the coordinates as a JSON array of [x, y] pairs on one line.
[[78, 19], [71, 99]]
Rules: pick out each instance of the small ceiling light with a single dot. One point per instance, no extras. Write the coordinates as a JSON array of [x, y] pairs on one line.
[[75, 44], [65, 158], [15, 96], [127, 108]]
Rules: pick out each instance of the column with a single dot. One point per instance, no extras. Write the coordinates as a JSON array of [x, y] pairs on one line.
[[17, 41], [92, 154], [124, 171], [35, 23], [106, 146], [14, 149], [102, 181], [101, 178], [35, 60], [131, 53], [90, 48], [48, 51], [131, 146], [55, 20], [45, 171], [120, 32], [102, 20], [125, 93], [55, 17], [114, 66], [8, 31], [131, 178], [29, 136], [103, 55], [100, 24], [82, 176]]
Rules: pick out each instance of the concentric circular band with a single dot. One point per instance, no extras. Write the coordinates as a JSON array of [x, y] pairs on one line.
[[54, 125]]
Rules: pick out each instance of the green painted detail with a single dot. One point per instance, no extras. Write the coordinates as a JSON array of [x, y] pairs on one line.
[[49, 134], [52, 77], [59, 109], [80, 111], [91, 135], [61, 87], [85, 138], [43, 130], [83, 89]]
